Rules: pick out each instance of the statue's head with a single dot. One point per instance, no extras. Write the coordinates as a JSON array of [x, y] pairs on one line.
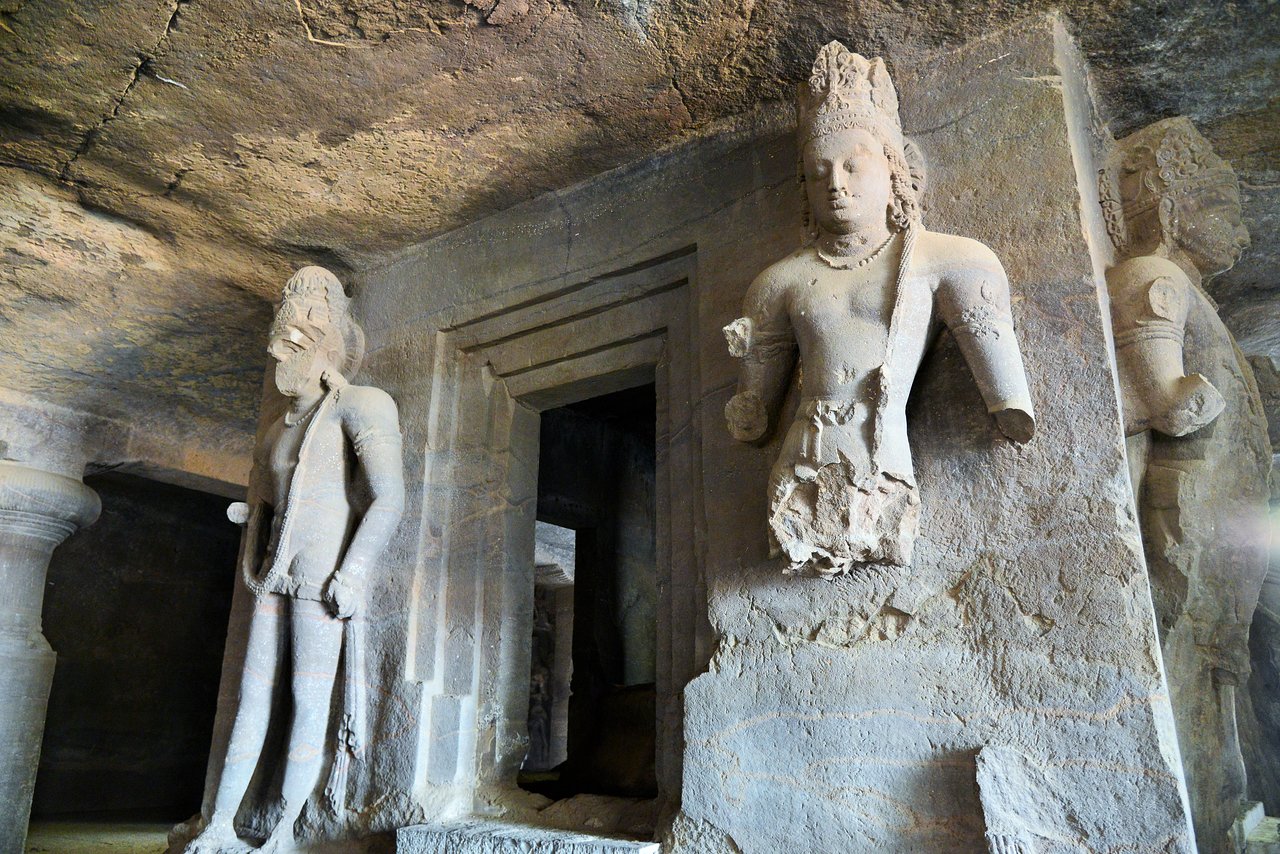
[[313, 333], [1164, 185], [854, 158]]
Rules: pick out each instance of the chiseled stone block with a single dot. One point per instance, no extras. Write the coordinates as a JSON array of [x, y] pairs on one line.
[[494, 837]]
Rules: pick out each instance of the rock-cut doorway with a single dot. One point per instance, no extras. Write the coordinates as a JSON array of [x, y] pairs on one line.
[[597, 594]]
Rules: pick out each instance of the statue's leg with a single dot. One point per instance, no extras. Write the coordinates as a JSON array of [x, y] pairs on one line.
[[258, 682], [316, 637]]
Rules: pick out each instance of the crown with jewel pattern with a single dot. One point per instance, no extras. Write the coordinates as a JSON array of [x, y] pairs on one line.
[[1166, 158], [846, 90]]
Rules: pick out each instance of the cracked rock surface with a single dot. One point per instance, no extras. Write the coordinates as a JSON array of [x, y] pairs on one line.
[[223, 143]]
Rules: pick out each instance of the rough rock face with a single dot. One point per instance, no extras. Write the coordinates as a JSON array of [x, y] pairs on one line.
[[250, 136], [100, 315]]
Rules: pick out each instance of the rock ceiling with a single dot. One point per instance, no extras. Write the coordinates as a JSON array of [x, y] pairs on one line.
[[167, 163]]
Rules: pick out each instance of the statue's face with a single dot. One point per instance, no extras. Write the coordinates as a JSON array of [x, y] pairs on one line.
[[301, 357], [848, 179], [1209, 227]]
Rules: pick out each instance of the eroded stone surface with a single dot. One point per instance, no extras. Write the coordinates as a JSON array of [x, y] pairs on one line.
[[101, 316], [493, 837], [861, 302], [326, 495], [1199, 451], [333, 131]]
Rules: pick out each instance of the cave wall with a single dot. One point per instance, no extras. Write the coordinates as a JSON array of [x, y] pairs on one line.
[[857, 712]]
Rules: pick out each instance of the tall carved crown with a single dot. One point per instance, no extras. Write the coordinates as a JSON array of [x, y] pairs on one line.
[[314, 297], [846, 90], [1164, 158], [1162, 161]]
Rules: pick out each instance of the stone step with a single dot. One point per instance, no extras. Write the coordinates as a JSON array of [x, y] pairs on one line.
[[496, 837], [1264, 838]]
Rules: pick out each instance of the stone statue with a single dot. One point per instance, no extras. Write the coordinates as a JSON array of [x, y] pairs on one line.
[[326, 494], [862, 301], [1199, 454]]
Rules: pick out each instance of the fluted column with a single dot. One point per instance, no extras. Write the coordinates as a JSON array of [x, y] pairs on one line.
[[38, 510]]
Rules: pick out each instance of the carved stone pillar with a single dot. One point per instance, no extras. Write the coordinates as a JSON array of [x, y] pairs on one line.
[[38, 510]]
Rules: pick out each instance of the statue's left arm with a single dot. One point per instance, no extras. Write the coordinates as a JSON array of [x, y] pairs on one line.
[[372, 425], [973, 299]]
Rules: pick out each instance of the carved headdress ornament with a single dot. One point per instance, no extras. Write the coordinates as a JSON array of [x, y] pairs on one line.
[[314, 302], [1162, 161], [846, 90]]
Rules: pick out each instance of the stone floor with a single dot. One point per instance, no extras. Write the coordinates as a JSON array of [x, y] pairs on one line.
[[85, 837]]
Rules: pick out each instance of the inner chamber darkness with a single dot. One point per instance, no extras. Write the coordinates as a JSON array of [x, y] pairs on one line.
[[136, 608], [596, 476]]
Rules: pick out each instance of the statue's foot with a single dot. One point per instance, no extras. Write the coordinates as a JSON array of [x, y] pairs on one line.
[[281, 840], [216, 837]]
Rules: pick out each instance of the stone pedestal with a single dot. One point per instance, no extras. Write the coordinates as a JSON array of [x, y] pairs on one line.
[[38, 510]]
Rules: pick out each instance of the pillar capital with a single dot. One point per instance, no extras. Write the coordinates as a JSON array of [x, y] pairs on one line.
[[44, 505]]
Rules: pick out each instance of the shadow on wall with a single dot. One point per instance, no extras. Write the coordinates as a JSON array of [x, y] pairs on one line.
[[136, 609]]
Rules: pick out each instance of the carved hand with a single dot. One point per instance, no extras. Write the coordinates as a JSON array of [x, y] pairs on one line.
[[1017, 424], [747, 417], [343, 596]]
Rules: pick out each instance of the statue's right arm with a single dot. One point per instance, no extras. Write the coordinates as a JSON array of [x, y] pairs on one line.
[[257, 493], [1150, 300], [764, 340]]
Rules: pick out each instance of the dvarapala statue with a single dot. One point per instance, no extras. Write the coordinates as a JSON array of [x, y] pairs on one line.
[[325, 496], [1199, 454], [862, 301]]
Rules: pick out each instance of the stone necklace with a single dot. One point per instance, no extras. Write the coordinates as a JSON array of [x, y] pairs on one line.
[[841, 263], [295, 421]]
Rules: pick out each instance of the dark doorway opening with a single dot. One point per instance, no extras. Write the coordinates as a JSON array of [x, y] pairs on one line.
[[596, 478], [136, 609]]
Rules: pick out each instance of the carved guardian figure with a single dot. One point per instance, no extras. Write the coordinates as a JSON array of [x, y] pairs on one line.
[[325, 497], [1199, 453], [860, 304]]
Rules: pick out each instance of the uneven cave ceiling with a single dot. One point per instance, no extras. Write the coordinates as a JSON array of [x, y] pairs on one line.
[[168, 163]]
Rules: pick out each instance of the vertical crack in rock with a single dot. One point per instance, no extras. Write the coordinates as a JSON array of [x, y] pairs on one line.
[[144, 58], [684, 100]]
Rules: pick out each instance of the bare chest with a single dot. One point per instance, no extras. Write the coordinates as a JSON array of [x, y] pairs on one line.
[[284, 446], [833, 302]]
